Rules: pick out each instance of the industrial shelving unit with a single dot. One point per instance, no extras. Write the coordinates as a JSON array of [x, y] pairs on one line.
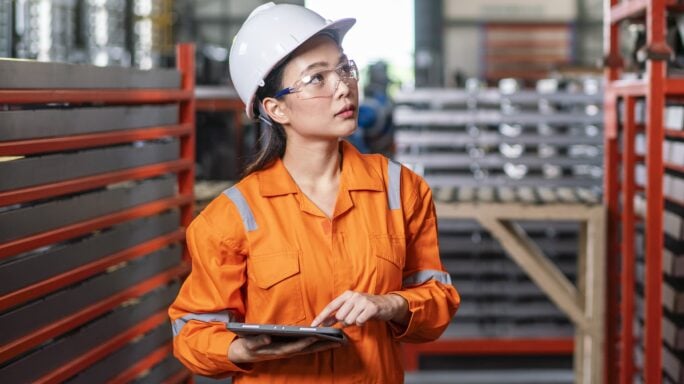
[[96, 187], [524, 51], [643, 193], [515, 174]]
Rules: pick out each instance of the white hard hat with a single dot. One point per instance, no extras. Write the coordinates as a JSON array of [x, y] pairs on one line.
[[270, 33]]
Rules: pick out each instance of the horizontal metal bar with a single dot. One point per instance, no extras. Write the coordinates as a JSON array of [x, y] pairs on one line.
[[454, 139], [674, 133], [208, 92], [450, 96], [465, 347], [679, 202], [57, 167], [518, 212], [457, 246], [674, 167], [30, 74], [147, 96], [160, 373], [23, 195], [458, 161], [53, 144], [236, 106], [627, 87], [408, 116], [56, 282], [441, 180], [504, 267], [34, 339], [511, 329], [74, 366], [40, 123], [63, 233], [180, 377], [150, 360]]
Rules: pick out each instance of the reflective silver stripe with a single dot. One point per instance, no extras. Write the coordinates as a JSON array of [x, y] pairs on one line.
[[222, 317], [394, 192], [245, 212], [421, 277]]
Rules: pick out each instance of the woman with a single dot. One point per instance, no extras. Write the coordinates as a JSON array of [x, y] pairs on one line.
[[316, 234]]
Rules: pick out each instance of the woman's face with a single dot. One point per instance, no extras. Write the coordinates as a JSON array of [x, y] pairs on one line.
[[329, 112]]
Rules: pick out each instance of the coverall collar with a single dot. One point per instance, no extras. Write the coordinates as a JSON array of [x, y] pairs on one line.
[[356, 175]]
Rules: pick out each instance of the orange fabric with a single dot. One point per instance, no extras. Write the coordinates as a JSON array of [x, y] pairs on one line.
[[298, 260]]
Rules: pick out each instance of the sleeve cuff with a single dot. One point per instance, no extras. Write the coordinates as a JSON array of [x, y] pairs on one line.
[[223, 343], [414, 308]]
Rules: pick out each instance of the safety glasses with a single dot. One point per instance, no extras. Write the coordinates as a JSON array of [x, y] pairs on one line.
[[322, 83]]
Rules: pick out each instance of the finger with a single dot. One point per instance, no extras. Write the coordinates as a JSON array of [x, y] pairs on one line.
[[329, 322], [255, 342], [333, 306], [353, 315], [346, 308], [367, 314]]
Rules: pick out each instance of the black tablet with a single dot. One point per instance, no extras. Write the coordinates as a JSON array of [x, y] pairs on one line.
[[281, 333]]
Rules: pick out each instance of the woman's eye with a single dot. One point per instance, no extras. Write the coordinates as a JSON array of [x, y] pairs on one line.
[[316, 78]]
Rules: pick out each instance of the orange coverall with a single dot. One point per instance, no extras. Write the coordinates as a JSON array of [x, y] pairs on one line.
[[262, 252]]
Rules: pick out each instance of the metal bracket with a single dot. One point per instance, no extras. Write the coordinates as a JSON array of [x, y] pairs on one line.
[[613, 60], [655, 51]]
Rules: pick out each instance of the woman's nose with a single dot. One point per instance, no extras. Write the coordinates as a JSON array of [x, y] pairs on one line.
[[344, 89]]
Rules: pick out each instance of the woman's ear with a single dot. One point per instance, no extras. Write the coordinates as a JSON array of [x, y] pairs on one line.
[[276, 110]]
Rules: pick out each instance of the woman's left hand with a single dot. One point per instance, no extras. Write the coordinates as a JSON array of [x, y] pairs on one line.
[[355, 308]]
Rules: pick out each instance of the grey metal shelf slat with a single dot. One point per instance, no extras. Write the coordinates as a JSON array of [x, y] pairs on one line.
[[412, 116], [437, 96], [454, 139], [451, 161]]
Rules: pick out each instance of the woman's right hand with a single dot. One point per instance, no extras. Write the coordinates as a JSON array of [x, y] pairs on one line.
[[251, 349]]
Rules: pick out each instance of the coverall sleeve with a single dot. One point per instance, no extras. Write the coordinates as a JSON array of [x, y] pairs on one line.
[[432, 299], [210, 297]]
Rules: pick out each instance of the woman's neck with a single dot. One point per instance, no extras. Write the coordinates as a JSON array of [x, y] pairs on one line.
[[313, 165]]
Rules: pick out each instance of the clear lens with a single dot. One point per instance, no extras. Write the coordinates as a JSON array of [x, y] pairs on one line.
[[324, 83]]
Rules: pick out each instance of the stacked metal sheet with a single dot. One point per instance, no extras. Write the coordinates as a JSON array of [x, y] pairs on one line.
[[104, 32], [5, 28], [46, 30], [549, 137], [88, 265], [505, 145], [673, 252]]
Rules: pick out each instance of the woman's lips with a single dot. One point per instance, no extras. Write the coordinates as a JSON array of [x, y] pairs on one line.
[[346, 113]]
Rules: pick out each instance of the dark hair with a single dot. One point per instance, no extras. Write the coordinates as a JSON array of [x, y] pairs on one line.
[[273, 138]]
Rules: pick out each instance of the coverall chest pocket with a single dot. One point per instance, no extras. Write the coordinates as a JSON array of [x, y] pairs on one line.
[[276, 293], [389, 256]]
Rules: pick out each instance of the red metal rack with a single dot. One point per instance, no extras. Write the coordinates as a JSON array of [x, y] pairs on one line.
[[525, 51], [68, 325], [621, 188]]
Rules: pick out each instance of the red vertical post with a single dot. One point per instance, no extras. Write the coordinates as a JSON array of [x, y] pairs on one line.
[[628, 259], [613, 65], [185, 56], [655, 102]]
